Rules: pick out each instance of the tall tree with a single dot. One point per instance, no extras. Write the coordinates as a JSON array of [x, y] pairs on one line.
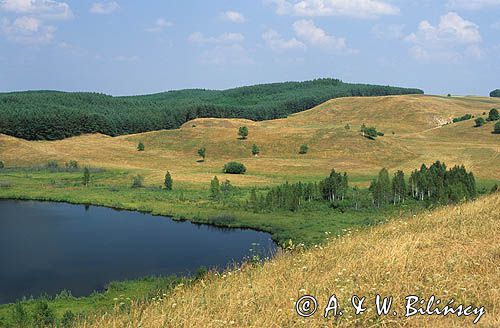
[[169, 182], [215, 189], [255, 150], [86, 176], [399, 187]]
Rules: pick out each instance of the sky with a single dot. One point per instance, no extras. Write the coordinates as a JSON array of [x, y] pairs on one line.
[[138, 47]]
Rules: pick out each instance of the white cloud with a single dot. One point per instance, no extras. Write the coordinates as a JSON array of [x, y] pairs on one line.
[[48, 9], [221, 55], [27, 30], [277, 43], [200, 38], [233, 16], [160, 25], [349, 8], [472, 4], [388, 32], [453, 38], [104, 8], [315, 36]]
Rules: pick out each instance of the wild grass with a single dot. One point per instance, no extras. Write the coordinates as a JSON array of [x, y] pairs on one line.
[[452, 252]]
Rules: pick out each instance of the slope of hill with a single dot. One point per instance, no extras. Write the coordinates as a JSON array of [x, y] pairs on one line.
[[50, 115], [451, 253], [418, 122]]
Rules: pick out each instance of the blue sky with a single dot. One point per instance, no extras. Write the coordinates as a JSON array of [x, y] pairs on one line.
[[135, 47]]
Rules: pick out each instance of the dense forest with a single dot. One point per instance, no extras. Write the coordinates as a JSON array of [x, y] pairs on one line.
[[52, 115], [495, 93]]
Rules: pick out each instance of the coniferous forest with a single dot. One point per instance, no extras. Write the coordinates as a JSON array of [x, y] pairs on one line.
[[52, 115]]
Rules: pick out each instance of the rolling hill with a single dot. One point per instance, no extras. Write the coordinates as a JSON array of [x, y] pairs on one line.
[[420, 125], [51, 115]]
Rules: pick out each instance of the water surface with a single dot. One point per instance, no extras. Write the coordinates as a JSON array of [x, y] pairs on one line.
[[48, 247]]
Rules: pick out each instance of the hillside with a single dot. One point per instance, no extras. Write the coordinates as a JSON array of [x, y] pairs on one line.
[[450, 253], [51, 115], [417, 122]]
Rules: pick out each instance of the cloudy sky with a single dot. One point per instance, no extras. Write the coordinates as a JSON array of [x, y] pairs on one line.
[[135, 47]]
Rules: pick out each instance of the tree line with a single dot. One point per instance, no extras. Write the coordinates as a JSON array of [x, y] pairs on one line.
[[52, 115], [434, 185]]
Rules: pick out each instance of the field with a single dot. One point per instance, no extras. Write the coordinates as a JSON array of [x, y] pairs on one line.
[[417, 122], [417, 129], [451, 253]]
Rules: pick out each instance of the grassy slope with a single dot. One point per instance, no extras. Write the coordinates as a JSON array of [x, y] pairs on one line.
[[452, 252], [415, 121]]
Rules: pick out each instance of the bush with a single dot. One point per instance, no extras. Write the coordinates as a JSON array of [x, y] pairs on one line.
[[19, 316], [43, 316], [52, 165], [72, 165], [493, 115], [68, 320], [255, 150], [243, 132], [2, 165], [141, 147], [462, 118], [234, 168], [303, 149], [138, 181], [479, 122], [496, 129]]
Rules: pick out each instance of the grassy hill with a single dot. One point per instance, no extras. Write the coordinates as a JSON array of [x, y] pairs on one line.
[[421, 135], [50, 115], [450, 253]]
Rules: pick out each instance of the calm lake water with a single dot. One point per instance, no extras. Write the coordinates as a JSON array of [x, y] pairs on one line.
[[49, 247]]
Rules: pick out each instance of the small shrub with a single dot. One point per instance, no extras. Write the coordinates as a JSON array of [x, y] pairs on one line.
[[169, 182], [68, 320], [222, 220], [496, 129], [19, 316], [43, 316], [462, 118], [234, 168], [141, 147], [479, 122], [202, 152], [303, 149], [493, 115], [255, 150], [72, 165], [243, 132], [2, 165], [138, 181], [53, 165]]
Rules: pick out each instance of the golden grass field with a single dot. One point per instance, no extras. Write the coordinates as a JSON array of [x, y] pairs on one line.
[[452, 252], [416, 120]]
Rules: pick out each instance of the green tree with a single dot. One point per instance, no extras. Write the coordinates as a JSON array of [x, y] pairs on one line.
[[19, 316], [496, 128], [495, 93], [43, 315], [243, 132], [226, 188], [399, 187], [234, 168], [479, 122], [255, 150], [168, 181], [138, 181], [202, 153], [381, 188], [215, 189], [303, 149], [493, 115], [141, 147], [86, 177]]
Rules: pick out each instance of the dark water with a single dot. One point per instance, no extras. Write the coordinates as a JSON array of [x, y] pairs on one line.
[[49, 247]]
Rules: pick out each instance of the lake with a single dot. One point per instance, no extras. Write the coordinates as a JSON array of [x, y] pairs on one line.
[[49, 247]]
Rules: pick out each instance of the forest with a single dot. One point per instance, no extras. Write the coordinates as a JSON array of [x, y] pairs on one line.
[[54, 115]]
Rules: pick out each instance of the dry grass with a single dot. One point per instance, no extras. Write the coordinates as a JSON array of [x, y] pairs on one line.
[[452, 252], [415, 120]]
